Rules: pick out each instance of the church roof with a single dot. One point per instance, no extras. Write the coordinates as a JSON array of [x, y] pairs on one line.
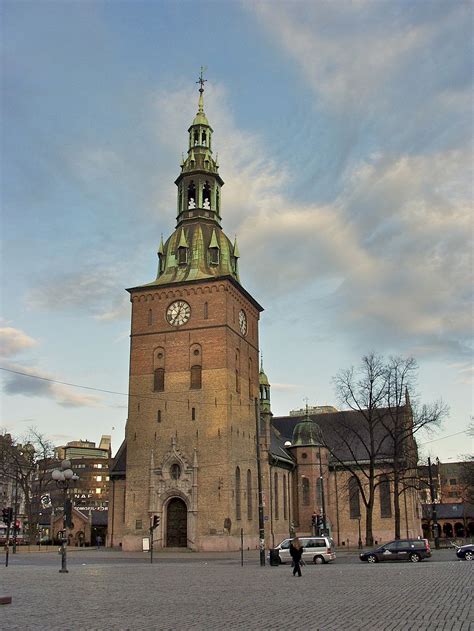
[[118, 467], [448, 511], [336, 424]]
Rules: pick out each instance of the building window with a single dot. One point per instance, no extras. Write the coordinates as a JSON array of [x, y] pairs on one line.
[[275, 493], [193, 414], [98, 478], [196, 377], [285, 498], [182, 255], [354, 498], [159, 380], [385, 503], [191, 196], [206, 311], [206, 196], [138, 524], [150, 317], [249, 494], [175, 471], [158, 416], [237, 382], [305, 487], [214, 256], [453, 481], [238, 511]]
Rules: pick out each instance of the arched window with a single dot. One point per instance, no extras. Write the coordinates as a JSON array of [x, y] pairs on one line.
[[305, 487], [175, 471], [238, 512], [196, 377], [206, 311], [354, 498], [275, 495], [249, 494], [150, 317], [191, 195], [206, 196], [196, 136], [203, 137], [385, 501], [159, 380], [285, 498], [217, 199]]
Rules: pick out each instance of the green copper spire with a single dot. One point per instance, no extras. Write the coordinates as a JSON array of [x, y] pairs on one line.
[[198, 248]]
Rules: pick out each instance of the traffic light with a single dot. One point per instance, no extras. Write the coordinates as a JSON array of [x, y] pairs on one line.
[[7, 515], [156, 521]]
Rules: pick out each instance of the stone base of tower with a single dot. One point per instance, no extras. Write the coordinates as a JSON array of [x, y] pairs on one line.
[[214, 543]]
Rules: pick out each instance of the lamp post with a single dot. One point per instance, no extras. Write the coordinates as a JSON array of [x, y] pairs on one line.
[[63, 477], [433, 507], [323, 503], [261, 522]]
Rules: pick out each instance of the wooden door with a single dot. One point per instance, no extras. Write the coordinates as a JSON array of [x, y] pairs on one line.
[[177, 524]]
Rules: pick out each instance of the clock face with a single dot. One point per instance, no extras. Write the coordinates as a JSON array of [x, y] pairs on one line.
[[178, 313], [243, 322]]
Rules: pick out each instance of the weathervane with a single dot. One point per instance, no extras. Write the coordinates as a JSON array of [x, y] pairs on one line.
[[202, 81]]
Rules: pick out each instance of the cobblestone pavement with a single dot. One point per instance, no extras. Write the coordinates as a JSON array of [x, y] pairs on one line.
[[218, 594]]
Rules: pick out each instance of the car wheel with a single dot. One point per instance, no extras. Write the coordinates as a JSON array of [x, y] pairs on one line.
[[469, 555], [372, 558], [414, 558], [318, 560]]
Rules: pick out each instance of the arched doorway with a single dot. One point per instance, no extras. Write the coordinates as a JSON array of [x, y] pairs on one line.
[[448, 530], [176, 524]]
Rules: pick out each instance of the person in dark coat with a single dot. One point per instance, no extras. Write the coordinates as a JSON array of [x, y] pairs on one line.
[[296, 551]]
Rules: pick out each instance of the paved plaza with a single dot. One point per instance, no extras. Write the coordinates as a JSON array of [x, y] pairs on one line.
[[105, 590]]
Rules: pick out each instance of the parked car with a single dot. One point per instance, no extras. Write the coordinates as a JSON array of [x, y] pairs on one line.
[[401, 550], [318, 550], [465, 552]]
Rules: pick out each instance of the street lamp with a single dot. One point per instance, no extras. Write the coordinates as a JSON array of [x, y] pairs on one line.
[[359, 545], [63, 477]]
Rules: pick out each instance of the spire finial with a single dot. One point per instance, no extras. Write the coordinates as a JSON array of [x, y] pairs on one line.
[[307, 409], [261, 359], [201, 82]]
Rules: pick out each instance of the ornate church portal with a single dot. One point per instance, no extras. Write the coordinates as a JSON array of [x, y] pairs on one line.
[[176, 524]]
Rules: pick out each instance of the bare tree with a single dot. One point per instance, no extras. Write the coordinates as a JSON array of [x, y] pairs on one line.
[[377, 445], [27, 463], [401, 421], [357, 442]]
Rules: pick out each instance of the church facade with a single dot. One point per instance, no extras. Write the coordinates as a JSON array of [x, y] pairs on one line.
[[199, 402]]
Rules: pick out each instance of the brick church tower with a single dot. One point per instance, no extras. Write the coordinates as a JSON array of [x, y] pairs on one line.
[[189, 455]]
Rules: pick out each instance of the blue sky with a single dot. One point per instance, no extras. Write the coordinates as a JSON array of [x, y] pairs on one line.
[[344, 133]]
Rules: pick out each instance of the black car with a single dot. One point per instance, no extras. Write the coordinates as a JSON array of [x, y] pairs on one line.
[[413, 550], [465, 552]]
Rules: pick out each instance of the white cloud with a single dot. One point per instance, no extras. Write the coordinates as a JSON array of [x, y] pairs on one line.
[[394, 243], [97, 290], [13, 341], [33, 382]]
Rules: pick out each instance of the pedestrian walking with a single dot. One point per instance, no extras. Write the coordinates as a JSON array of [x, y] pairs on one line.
[[98, 541], [296, 551]]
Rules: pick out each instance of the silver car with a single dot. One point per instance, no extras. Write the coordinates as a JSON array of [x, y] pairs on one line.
[[315, 549]]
